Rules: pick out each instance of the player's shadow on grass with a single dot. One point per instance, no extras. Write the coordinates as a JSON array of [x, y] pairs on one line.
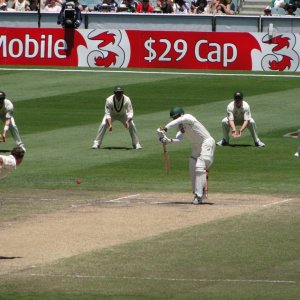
[[10, 257], [187, 203], [117, 148], [4, 151], [240, 145]]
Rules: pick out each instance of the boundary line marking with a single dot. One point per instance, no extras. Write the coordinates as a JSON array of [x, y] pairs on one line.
[[162, 279], [153, 72]]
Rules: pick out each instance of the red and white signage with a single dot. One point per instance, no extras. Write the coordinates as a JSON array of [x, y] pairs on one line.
[[150, 49]]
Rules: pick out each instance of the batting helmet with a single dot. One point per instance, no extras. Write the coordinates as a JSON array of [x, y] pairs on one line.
[[118, 89], [18, 152], [2, 95], [176, 112], [238, 96]]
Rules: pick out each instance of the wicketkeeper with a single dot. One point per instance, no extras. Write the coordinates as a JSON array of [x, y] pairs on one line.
[[203, 148], [118, 107]]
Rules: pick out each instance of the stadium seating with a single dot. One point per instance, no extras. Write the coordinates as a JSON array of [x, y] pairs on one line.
[[278, 11]]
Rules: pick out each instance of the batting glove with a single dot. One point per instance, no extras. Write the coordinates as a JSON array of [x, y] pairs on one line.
[[161, 133], [165, 140]]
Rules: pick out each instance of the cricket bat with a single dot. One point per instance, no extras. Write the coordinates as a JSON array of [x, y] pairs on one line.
[[206, 186], [166, 158]]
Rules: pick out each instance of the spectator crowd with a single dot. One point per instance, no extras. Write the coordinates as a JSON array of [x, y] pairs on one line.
[[282, 7], [226, 7]]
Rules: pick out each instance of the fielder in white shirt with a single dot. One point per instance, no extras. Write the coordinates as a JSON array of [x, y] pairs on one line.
[[9, 163], [203, 148], [239, 114], [118, 107], [6, 115]]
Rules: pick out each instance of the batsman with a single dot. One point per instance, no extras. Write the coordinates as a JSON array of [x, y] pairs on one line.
[[203, 148]]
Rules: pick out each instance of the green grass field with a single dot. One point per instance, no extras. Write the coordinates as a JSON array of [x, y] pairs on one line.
[[252, 256]]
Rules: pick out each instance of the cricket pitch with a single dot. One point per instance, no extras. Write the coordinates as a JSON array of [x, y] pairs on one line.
[[94, 222]]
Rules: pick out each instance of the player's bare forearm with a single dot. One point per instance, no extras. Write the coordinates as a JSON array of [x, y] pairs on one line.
[[7, 122], [109, 124], [5, 129], [234, 132], [127, 122], [244, 126], [3, 137], [232, 125]]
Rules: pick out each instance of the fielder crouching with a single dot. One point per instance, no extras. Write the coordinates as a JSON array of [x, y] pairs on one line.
[[6, 115], [203, 148], [117, 107]]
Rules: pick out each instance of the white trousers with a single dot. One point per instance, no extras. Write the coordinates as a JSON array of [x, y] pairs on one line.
[[132, 129], [199, 163], [251, 126], [15, 132]]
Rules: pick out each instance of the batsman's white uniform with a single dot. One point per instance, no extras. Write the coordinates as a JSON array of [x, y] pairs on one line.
[[8, 164], [120, 111], [239, 115], [6, 112], [203, 148]]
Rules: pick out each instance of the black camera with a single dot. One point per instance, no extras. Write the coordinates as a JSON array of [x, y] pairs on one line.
[[70, 16]]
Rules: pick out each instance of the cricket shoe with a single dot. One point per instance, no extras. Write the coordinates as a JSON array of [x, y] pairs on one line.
[[259, 144], [96, 145], [137, 146], [197, 200], [222, 143]]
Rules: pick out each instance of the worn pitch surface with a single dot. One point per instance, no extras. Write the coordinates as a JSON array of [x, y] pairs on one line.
[[95, 223]]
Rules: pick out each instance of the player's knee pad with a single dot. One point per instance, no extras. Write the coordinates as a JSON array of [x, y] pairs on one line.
[[200, 166]]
